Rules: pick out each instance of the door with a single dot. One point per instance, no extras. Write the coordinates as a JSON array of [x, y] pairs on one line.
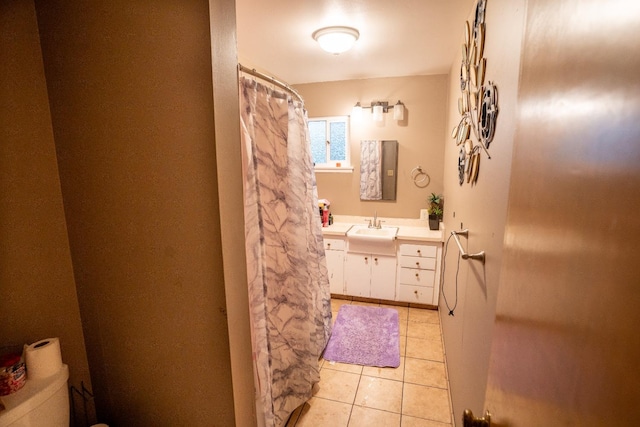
[[383, 277], [358, 275], [565, 349], [335, 267]]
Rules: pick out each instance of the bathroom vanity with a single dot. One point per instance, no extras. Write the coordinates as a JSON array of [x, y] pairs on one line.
[[400, 262]]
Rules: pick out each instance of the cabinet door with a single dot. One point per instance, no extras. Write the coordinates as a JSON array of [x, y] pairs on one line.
[[383, 277], [335, 266], [358, 275]]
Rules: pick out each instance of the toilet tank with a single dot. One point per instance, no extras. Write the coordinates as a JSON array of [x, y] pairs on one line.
[[42, 403]]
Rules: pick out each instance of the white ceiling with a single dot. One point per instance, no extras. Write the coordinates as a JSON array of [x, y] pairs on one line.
[[397, 38]]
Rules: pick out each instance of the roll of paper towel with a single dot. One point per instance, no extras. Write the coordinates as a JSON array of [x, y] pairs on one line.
[[43, 358]]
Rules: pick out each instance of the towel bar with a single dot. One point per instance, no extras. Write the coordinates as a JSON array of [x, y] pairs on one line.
[[479, 256]]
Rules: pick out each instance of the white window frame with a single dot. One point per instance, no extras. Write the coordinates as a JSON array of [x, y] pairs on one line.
[[331, 165]]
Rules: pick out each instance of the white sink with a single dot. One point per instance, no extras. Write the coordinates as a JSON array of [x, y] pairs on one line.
[[364, 232], [380, 241]]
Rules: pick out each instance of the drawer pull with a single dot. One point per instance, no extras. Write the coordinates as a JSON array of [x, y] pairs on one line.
[[328, 245], [366, 258], [415, 292], [418, 251], [418, 264], [417, 276], [375, 259]]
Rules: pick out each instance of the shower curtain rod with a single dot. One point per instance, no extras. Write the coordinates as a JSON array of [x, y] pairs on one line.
[[270, 79]]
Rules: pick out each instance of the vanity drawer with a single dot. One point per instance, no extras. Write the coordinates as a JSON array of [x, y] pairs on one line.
[[416, 277], [334, 244], [422, 251], [417, 262], [417, 294]]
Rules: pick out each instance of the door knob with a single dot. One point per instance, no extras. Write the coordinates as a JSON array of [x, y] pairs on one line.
[[468, 420]]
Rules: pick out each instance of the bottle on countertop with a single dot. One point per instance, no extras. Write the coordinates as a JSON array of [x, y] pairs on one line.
[[325, 216]]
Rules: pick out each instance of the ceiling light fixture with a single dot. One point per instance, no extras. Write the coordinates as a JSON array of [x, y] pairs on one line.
[[336, 40]]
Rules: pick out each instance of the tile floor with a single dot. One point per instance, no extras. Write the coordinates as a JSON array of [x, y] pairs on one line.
[[416, 394]]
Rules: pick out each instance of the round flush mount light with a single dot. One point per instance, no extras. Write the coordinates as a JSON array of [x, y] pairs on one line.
[[336, 39]]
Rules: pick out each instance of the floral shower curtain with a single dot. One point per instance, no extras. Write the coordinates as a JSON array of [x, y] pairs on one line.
[[288, 283]]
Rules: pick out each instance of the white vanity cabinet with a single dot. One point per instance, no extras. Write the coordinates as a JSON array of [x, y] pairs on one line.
[[370, 275], [419, 272], [334, 253]]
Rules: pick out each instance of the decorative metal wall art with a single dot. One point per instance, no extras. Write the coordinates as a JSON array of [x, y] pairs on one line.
[[478, 103]]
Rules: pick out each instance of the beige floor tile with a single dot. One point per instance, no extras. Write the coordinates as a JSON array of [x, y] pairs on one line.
[[368, 417], [424, 349], [403, 345], [366, 304], [423, 315], [426, 402], [396, 374], [402, 329], [408, 421], [337, 303], [356, 396], [429, 331], [322, 412], [379, 393], [425, 372], [344, 367], [337, 385], [403, 312]]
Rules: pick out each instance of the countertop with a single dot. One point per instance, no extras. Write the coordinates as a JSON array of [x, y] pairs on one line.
[[408, 229]]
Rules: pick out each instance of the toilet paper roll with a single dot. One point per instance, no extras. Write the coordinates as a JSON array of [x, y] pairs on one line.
[[43, 358]]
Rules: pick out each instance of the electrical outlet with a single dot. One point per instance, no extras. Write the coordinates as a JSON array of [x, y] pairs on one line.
[[424, 214]]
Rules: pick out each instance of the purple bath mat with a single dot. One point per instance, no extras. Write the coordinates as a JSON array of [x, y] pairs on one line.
[[365, 336]]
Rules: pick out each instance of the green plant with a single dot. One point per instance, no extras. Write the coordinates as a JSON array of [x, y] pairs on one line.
[[437, 211], [435, 205]]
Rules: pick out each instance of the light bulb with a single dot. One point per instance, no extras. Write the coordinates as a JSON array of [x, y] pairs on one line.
[[398, 111], [356, 112], [377, 113]]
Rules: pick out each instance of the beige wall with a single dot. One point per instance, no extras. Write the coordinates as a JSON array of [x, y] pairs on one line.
[[38, 288], [130, 89], [482, 209], [419, 135]]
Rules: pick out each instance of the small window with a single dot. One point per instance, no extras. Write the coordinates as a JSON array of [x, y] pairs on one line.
[[330, 143]]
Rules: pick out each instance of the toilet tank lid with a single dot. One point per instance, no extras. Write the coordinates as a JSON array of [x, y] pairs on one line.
[[32, 395]]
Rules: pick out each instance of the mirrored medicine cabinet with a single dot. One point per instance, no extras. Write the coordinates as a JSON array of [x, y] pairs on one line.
[[378, 170]]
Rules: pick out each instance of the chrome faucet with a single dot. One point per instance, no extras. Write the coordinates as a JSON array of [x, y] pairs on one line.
[[376, 223]]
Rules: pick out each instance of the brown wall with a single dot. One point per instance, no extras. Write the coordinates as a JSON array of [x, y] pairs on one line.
[[229, 166], [419, 135], [482, 209], [130, 90], [36, 275]]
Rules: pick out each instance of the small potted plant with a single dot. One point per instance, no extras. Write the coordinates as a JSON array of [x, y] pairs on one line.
[[435, 211]]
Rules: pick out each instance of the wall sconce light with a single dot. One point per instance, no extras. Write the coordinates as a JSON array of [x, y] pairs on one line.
[[378, 109], [336, 39], [398, 111], [357, 110], [377, 113]]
